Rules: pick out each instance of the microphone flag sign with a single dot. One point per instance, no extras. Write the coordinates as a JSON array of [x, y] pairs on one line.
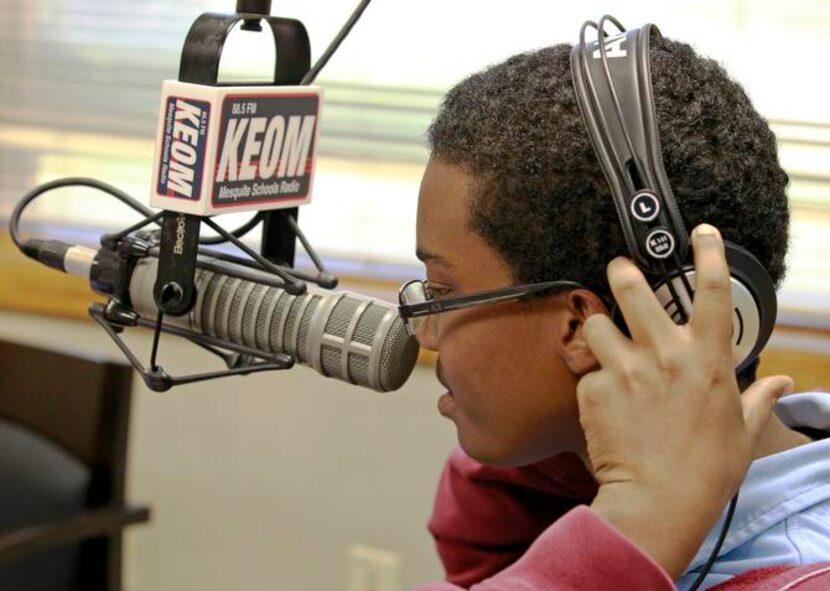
[[235, 148]]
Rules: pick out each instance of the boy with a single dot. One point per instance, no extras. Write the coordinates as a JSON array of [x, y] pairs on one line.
[[513, 194]]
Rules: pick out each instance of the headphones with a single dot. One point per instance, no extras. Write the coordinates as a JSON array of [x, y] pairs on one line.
[[612, 81]]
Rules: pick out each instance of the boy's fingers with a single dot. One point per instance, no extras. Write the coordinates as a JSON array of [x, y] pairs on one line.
[[712, 307], [604, 339], [758, 401], [646, 319]]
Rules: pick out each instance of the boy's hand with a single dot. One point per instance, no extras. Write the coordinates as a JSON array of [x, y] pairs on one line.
[[668, 433]]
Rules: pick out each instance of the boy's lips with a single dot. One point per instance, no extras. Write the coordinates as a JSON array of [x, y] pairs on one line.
[[446, 404]]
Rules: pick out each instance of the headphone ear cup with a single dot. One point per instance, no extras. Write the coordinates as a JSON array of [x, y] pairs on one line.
[[753, 299]]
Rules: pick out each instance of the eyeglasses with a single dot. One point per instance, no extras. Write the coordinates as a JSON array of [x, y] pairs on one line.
[[415, 301]]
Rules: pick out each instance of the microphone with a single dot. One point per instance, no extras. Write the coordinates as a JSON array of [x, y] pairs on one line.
[[209, 161], [342, 335]]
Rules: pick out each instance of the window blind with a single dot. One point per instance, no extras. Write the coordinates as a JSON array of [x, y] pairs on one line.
[[80, 82]]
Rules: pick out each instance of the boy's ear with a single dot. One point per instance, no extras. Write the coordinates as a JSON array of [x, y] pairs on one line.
[[578, 306]]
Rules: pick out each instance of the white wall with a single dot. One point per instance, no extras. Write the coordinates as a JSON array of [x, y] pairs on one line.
[[262, 482]]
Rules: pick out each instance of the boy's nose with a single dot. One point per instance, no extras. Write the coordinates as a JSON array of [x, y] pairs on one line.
[[425, 334]]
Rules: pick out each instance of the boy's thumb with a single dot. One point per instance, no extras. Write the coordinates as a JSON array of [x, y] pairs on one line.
[[759, 399]]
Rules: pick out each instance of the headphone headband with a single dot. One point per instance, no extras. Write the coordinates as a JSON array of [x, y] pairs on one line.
[[612, 81], [613, 87]]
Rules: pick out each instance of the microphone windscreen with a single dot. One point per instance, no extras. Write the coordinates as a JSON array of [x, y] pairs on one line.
[[342, 335]]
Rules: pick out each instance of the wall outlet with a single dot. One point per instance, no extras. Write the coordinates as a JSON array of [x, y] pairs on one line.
[[373, 569]]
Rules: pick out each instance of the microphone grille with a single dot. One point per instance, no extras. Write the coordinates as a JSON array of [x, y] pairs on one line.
[[364, 333], [331, 363], [305, 323], [223, 307], [367, 326], [290, 321], [262, 328], [341, 316], [249, 332], [365, 342], [238, 304], [397, 356]]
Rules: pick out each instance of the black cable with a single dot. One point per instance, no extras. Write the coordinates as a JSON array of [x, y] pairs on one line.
[[592, 103], [603, 53], [14, 222], [684, 316], [686, 284], [721, 538]]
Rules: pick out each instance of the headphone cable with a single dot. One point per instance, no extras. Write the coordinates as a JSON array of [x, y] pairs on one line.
[[721, 538]]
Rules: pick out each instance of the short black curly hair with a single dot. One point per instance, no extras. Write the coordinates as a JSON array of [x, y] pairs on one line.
[[541, 199]]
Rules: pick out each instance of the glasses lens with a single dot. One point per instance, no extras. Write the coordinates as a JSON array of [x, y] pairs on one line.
[[413, 293]]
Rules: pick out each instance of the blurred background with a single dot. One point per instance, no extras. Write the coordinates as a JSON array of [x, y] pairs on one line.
[[270, 481]]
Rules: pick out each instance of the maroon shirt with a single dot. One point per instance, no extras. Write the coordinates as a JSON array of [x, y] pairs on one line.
[[523, 529]]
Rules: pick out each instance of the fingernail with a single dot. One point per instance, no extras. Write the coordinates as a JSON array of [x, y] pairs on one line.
[[615, 261], [706, 235]]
